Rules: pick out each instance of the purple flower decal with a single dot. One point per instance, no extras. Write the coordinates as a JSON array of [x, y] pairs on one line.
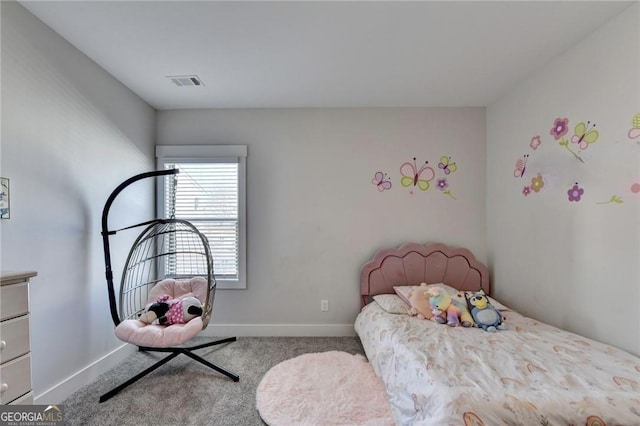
[[575, 193], [442, 184], [526, 191], [535, 142], [560, 128]]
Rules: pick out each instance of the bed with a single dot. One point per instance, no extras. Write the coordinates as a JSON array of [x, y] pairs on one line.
[[530, 374]]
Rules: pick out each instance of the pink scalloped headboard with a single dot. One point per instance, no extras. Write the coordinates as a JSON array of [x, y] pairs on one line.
[[413, 263]]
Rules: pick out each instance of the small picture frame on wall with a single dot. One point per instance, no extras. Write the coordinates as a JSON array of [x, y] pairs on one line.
[[5, 212]]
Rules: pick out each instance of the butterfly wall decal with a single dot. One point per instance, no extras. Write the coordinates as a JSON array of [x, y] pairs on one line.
[[634, 132], [446, 165], [584, 134], [521, 166], [412, 176], [380, 182]]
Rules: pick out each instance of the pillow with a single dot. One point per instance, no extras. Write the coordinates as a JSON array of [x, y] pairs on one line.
[[391, 303], [403, 294], [499, 306], [403, 291]]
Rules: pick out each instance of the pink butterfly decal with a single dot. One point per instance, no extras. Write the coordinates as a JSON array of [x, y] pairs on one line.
[[411, 176], [380, 182], [521, 166]]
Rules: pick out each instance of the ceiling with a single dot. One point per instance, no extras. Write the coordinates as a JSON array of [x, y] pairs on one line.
[[323, 53]]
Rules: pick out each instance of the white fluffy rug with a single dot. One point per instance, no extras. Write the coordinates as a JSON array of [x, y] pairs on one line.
[[326, 388]]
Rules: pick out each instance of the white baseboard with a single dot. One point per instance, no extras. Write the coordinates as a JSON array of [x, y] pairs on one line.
[[62, 390], [279, 330], [59, 392]]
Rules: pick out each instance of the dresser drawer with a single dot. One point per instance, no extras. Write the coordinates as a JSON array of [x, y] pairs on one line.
[[14, 300], [14, 338], [15, 379]]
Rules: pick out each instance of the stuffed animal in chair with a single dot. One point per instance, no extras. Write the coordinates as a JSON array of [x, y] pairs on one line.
[[484, 313], [167, 311], [447, 310]]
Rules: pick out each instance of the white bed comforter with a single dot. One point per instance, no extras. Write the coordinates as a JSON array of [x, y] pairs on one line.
[[531, 374]]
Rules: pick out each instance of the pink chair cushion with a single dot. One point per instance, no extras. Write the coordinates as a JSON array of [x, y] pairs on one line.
[[196, 286], [159, 336]]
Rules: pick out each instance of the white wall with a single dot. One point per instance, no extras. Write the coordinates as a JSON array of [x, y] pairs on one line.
[[314, 217], [70, 134], [572, 264]]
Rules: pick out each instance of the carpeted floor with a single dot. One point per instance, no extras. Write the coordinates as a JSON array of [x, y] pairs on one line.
[[185, 392]]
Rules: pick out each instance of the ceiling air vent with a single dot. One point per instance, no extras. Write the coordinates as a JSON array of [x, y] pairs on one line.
[[185, 80]]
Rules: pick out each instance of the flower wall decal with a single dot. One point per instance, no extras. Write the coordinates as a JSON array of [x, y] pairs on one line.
[[443, 185], [575, 193], [419, 178], [535, 142], [560, 128], [583, 136], [537, 183]]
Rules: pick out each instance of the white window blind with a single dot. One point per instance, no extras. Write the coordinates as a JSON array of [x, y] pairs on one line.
[[206, 194], [209, 193]]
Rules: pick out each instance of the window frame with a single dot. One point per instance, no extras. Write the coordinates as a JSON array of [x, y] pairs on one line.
[[211, 154]]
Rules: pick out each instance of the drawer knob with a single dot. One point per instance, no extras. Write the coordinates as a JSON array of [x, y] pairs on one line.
[[4, 387], [3, 344]]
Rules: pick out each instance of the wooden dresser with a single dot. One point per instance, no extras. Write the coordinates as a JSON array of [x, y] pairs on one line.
[[15, 347]]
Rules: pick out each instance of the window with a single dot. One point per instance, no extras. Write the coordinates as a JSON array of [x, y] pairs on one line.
[[210, 192]]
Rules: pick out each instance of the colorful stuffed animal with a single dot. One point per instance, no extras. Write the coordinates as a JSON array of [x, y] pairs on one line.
[[419, 300], [167, 311], [447, 310], [484, 313]]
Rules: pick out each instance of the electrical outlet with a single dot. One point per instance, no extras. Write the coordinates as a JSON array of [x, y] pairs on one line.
[[324, 305]]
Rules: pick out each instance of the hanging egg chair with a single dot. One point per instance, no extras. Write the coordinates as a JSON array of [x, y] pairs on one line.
[[169, 263]]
